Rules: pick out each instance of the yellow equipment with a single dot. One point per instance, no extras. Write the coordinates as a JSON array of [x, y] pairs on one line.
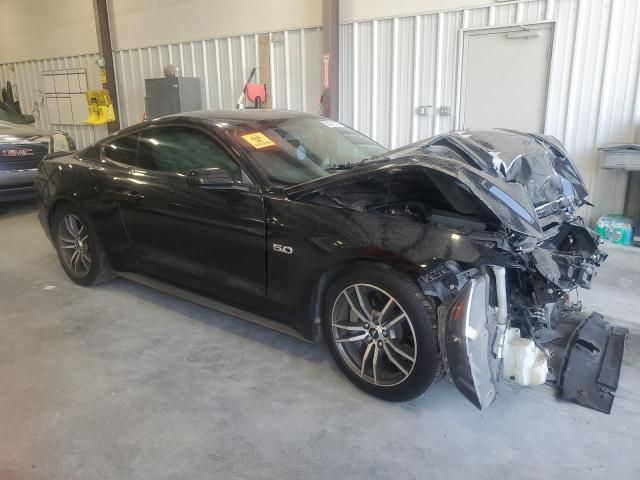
[[100, 107]]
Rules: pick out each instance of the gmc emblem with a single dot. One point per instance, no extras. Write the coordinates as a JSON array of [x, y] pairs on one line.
[[18, 152]]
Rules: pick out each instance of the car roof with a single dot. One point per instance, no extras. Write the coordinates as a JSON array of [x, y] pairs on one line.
[[240, 115], [211, 117]]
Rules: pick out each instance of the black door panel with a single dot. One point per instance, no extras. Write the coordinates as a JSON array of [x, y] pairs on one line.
[[106, 219], [205, 239]]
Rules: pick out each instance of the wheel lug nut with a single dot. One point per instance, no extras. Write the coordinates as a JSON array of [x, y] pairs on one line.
[[366, 325], [369, 339], [379, 343], [384, 333]]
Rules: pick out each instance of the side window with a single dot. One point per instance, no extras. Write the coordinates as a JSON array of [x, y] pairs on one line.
[[183, 150], [122, 150]]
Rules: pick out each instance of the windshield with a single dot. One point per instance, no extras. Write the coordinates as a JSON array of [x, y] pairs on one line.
[[296, 150], [7, 114]]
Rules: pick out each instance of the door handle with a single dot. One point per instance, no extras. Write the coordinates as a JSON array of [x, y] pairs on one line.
[[136, 195], [130, 196]]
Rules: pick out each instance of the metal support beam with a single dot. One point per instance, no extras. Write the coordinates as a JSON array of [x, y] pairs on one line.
[[330, 58], [101, 14], [264, 67]]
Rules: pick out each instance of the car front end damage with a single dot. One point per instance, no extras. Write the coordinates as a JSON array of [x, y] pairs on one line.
[[519, 323], [491, 219]]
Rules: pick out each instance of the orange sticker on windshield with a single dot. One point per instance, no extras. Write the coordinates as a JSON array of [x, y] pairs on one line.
[[258, 140]]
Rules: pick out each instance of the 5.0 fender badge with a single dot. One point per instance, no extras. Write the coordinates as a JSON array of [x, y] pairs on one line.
[[282, 248]]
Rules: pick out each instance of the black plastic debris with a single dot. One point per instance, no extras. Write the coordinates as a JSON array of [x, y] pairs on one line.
[[592, 361]]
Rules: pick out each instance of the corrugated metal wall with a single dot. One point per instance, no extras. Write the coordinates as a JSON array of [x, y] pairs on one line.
[[391, 66], [26, 77], [222, 64]]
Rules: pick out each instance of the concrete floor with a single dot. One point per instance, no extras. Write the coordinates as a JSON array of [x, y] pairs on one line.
[[122, 382]]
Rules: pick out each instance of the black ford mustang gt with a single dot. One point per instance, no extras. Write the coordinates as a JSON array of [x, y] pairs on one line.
[[455, 254]]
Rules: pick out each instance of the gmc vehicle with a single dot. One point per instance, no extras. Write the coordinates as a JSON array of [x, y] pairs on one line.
[[22, 147]]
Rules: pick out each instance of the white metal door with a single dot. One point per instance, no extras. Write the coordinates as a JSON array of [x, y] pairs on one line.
[[505, 73]]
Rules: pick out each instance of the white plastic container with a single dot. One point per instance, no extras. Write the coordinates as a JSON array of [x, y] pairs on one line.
[[524, 363]]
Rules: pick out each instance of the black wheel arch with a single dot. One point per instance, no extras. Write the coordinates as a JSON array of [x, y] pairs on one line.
[[59, 202], [321, 280]]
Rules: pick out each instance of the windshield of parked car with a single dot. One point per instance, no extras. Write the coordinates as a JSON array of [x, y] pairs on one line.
[[296, 150], [7, 114]]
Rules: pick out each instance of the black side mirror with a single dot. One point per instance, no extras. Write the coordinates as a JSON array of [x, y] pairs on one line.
[[210, 177], [29, 118]]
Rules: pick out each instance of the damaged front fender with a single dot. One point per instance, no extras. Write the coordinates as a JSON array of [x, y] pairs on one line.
[[467, 326]]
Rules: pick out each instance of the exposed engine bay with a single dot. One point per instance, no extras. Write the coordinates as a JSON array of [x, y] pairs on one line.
[[519, 251]]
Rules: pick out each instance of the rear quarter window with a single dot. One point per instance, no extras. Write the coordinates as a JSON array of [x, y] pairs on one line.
[[90, 153]]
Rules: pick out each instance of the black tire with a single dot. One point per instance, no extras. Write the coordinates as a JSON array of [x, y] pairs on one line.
[[419, 312], [98, 270]]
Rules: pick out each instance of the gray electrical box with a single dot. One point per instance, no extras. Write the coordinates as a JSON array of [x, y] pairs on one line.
[[165, 96], [625, 156]]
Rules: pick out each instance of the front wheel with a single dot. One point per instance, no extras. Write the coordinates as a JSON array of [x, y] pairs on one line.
[[381, 331]]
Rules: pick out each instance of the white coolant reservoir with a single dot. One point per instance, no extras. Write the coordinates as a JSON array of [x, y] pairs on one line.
[[524, 363]]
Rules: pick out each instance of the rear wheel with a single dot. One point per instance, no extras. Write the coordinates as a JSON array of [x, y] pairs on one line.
[[79, 250], [381, 331]]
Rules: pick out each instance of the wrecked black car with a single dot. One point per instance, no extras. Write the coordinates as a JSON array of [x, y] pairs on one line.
[[454, 255]]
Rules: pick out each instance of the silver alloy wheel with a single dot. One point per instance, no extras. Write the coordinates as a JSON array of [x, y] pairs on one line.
[[74, 246], [374, 335]]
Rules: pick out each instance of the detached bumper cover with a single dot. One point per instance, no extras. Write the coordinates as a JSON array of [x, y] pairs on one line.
[[592, 361]]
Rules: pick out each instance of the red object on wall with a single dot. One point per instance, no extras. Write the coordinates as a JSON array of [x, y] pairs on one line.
[[256, 90]]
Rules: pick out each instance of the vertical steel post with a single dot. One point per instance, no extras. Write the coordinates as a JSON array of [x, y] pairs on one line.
[[101, 14], [330, 58], [264, 66]]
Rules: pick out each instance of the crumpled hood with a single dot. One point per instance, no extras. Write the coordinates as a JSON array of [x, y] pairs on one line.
[[538, 162], [520, 177], [507, 200]]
